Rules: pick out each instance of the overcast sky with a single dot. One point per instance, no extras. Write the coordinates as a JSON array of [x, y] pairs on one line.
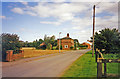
[[32, 20]]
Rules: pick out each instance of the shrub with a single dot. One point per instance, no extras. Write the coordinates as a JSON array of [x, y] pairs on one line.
[[109, 40], [9, 42], [71, 47], [58, 47]]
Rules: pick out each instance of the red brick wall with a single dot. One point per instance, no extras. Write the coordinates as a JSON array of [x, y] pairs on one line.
[[10, 56]]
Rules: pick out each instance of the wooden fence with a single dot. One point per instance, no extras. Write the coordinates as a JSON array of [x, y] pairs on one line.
[[100, 60]]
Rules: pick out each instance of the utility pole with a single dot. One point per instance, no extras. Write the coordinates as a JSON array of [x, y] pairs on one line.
[[93, 30], [59, 41]]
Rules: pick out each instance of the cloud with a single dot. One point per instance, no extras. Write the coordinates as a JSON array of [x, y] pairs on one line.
[[107, 7], [82, 35], [81, 23], [94, 0], [18, 10], [30, 13], [61, 0], [61, 11], [3, 17], [78, 14], [48, 22], [102, 23], [24, 3]]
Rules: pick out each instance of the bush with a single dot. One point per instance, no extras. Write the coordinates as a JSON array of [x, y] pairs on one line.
[[9, 42], [71, 47], [58, 47], [83, 46], [54, 48], [109, 40], [43, 47], [48, 46], [16, 51]]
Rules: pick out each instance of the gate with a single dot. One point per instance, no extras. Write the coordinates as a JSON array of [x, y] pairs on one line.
[[101, 60]]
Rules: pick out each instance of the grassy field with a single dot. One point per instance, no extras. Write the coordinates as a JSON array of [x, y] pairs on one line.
[[33, 52], [85, 66], [112, 67]]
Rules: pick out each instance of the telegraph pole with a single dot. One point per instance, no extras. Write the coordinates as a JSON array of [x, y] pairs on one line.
[[93, 30]]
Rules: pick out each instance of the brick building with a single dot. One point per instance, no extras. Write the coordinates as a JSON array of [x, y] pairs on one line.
[[66, 42], [89, 46]]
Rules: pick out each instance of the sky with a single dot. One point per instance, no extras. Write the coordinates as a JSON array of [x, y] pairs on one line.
[[32, 20]]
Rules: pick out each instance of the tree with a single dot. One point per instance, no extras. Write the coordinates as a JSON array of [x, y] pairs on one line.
[[9, 42], [76, 44], [50, 41], [37, 43], [48, 46], [108, 39]]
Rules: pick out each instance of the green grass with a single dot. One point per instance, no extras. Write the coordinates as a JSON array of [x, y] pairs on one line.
[[111, 56], [112, 68], [85, 66]]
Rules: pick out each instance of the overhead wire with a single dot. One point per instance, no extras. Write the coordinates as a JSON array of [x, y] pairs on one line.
[[98, 3]]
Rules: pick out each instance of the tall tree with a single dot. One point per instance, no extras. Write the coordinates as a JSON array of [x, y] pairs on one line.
[[10, 42], [109, 40]]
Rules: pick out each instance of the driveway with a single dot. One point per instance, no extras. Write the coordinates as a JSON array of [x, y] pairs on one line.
[[51, 66]]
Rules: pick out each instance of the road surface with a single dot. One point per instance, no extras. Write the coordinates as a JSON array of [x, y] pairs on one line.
[[51, 66]]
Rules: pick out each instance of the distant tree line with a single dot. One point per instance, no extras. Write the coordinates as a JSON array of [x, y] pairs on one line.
[[48, 41]]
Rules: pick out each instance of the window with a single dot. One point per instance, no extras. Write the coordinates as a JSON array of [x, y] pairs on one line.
[[66, 46]]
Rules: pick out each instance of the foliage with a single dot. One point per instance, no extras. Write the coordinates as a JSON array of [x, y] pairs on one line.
[[49, 46], [16, 51], [111, 56], [83, 46], [54, 47], [109, 40], [50, 41], [71, 47], [43, 47], [76, 44], [9, 42], [47, 40], [37, 43], [57, 48]]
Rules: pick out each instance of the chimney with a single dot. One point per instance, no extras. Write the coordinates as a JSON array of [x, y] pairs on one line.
[[67, 34]]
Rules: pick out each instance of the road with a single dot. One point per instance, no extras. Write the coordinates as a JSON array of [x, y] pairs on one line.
[[51, 66]]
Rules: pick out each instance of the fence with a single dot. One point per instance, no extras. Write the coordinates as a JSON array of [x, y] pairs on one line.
[[100, 60]]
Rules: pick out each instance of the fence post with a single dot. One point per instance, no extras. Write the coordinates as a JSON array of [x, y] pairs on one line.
[[105, 70], [96, 56], [99, 69], [9, 55]]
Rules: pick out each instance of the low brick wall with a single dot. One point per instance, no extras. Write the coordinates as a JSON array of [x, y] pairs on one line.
[[11, 57]]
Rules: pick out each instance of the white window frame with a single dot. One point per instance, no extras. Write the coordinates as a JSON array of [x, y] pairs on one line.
[[66, 46]]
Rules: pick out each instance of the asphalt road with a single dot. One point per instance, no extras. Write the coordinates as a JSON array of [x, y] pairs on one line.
[[51, 66]]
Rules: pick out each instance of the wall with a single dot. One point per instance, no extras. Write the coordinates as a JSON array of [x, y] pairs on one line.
[[11, 57]]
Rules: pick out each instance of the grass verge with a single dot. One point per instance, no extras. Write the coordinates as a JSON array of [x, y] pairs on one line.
[[85, 66]]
